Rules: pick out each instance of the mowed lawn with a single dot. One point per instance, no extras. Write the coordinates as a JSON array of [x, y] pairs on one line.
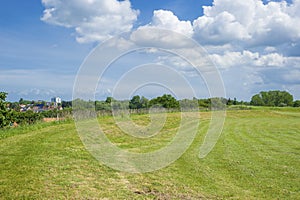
[[256, 157]]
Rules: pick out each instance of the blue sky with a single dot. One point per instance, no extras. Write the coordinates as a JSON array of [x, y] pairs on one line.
[[254, 44]]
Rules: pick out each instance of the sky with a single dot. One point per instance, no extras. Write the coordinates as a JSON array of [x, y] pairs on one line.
[[254, 45]]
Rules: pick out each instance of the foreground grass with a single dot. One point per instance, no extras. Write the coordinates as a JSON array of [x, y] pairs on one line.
[[256, 157]]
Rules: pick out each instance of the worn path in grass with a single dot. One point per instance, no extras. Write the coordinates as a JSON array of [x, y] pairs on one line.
[[256, 157]]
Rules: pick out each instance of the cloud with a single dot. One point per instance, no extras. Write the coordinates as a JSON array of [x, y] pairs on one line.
[[292, 76], [250, 22], [273, 59], [37, 92], [249, 59], [93, 20], [159, 32], [220, 29], [232, 59], [256, 44], [245, 23], [166, 19], [157, 37], [273, 27]]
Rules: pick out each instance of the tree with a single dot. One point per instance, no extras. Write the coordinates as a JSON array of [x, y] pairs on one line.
[[21, 101], [15, 106], [229, 102], [204, 103], [4, 112], [286, 98], [234, 101], [166, 101], [135, 102], [109, 100], [189, 104], [256, 100], [102, 105], [217, 103], [138, 102], [297, 103], [272, 98], [66, 104], [144, 102]]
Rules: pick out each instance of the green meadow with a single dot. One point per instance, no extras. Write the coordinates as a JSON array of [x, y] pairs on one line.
[[256, 157]]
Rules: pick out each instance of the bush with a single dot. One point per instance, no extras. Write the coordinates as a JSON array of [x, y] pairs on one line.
[[297, 103], [28, 117]]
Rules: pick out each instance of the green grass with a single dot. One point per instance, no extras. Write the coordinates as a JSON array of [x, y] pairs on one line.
[[256, 157]]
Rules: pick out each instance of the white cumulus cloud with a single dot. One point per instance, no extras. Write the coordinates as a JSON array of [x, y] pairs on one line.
[[166, 19], [93, 20], [249, 22], [220, 29], [250, 59]]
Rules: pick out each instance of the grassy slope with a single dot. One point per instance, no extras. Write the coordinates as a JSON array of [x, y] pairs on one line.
[[257, 157]]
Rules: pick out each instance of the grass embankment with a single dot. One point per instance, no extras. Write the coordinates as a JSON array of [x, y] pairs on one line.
[[256, 157]]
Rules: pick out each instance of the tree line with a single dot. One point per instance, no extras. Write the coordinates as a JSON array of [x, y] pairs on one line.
[[10, 113], [166, 101]]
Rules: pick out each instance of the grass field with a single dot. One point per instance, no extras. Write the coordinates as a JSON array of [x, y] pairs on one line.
[[256, 157]]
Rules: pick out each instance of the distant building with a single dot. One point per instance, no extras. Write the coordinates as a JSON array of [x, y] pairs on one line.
[[56, 100]]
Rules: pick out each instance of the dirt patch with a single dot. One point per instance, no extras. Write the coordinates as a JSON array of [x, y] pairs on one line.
[[52, 119], [147, 192]]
